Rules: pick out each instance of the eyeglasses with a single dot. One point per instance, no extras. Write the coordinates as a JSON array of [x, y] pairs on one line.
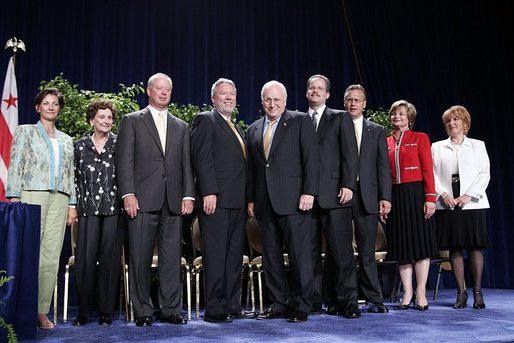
[[314, 88], [353, 100], [270, 100]]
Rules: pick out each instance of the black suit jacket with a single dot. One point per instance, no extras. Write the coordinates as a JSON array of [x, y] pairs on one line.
[[218, 161], [292, 167], [144, 170], [339, 159], [374, 172]]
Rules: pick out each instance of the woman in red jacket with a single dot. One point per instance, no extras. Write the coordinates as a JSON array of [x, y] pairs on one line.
[[411, 232]]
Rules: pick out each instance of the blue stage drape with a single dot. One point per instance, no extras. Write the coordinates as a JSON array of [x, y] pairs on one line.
[[432, 53], [19, 256]]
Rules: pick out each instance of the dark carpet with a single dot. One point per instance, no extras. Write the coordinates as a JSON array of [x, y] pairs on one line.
[[441, 323]]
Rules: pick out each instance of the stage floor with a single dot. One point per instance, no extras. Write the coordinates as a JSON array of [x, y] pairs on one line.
[[441, 323]]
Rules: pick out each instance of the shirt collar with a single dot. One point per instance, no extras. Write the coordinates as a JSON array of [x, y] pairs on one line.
[[319, 110]]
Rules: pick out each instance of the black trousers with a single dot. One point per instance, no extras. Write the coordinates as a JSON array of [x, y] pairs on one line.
[[341, 273], [98, 240], [223, 235], [365, 236], [295, 232]]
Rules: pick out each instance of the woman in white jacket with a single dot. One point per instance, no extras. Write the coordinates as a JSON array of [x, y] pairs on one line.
[[461, 170]]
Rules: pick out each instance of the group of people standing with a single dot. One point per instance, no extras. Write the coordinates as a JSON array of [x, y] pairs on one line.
[[299, 174]]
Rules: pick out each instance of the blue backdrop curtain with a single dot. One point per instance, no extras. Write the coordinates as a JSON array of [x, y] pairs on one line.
[[432, 53]]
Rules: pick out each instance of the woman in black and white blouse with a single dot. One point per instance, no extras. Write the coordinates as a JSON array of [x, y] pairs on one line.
[[98, 234]]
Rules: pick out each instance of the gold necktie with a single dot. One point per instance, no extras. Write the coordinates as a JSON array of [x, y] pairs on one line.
[[239, 138], [267, 137], [161, 128]]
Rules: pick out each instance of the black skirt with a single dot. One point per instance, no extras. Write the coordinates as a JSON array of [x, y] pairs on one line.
[[461, 229], [409, 235]]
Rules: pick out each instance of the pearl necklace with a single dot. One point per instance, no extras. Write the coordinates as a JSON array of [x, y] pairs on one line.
[[99, 144]]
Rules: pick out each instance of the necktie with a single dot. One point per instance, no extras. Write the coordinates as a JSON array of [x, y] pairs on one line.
[[267, 137], [358, 139], [161, 128], [315, 120], [239, 138]]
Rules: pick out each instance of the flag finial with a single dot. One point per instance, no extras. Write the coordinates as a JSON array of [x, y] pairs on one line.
[[15, 44]]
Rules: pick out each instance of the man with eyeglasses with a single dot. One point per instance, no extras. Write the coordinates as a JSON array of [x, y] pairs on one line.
[[283, 178], [338, 174], [372, 198]]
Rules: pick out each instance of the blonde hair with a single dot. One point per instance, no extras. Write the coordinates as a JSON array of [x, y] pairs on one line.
[[411, 110], [459, 112]]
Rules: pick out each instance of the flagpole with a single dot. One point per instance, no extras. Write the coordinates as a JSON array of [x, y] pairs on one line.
[[8, 114], [15, 44]]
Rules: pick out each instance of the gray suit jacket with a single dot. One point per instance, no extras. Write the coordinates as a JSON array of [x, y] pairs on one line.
[[144, 170]]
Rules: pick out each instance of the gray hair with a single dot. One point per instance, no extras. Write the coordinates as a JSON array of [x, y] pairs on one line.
[[220, 81], [355, 87], [274, 83], [158, 76]]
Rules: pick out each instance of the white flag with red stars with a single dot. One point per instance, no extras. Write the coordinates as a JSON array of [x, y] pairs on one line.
[[8, 123]]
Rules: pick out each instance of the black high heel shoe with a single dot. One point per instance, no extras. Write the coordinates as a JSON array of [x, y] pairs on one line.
[[421, 307], [478, 304], [403, 307], [462, 300]]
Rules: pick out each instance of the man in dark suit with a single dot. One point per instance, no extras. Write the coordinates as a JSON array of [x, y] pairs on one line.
[[218, 157], [372, 196], [338, 172], [155, 180], [283, 178]]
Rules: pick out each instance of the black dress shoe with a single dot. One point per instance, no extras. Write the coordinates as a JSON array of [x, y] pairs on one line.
[[352, 311], [270, 313], [174, 319], [79, 321], [104, 319], [243, 315], [378, 308], [317, 308], [217, 318], [332, 310], [298, 316], [143, 321]]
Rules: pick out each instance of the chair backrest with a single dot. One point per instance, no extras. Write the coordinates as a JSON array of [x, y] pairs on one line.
[[254, 235], [380, 242], [196, 236], [73, 239]]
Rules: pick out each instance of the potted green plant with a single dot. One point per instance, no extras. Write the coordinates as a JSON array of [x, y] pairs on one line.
[[11, 335]]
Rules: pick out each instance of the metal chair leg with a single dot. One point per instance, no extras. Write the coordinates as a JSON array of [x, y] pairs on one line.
[[261, 299], [197, 275], [188, 286], [252, 290], [66, 285]]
